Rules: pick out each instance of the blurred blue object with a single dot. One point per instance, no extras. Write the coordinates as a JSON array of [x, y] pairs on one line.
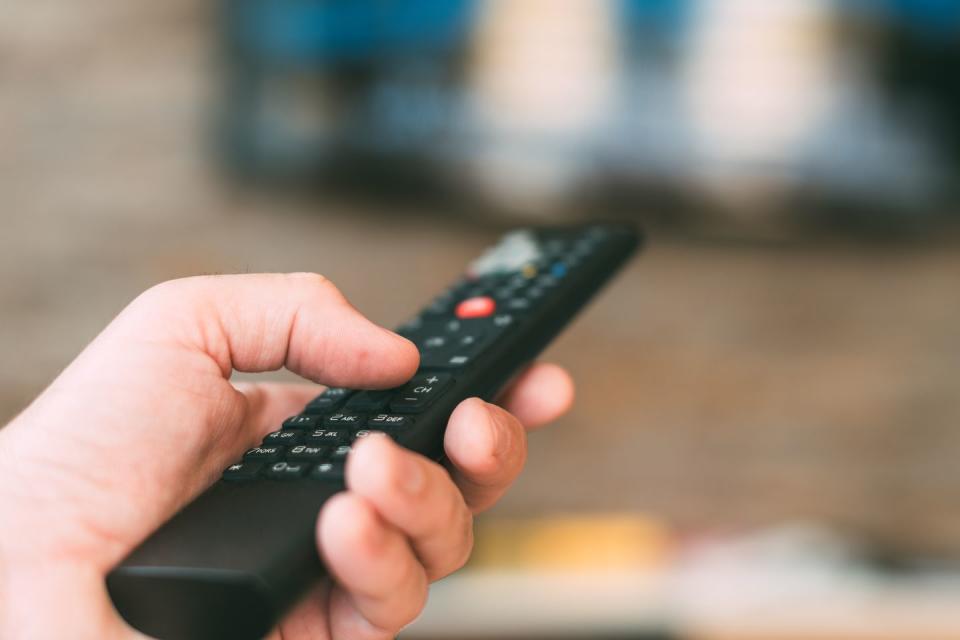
[[819, 109], [933, 17], [336, 30], [655, 16]]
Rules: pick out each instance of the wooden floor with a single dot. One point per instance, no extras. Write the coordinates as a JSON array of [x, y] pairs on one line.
[[721, 385]]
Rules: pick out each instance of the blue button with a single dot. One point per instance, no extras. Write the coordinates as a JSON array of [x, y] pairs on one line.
[[558, 270]]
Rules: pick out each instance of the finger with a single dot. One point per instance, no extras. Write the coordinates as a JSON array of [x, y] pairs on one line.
[[540, 395], [487, 448], [382, 587], [416, 496], [269, 404], [263, 322]]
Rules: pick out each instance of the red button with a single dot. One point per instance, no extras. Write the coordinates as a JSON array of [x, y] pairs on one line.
[[479, 307]]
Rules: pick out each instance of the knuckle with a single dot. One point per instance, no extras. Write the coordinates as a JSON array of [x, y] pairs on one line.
[[346, 514], [316, 283], [416, 601], [466, 542], [455, 511], [164, 302], [447, 499], [367, 526], [177, 291], [457, 533], [158, 294], [405, 590], [380, 469]]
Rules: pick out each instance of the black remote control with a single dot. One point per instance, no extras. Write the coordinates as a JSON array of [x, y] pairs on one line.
[[235, 559]]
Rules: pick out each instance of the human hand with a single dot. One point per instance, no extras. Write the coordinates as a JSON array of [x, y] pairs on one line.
[[146, 418]]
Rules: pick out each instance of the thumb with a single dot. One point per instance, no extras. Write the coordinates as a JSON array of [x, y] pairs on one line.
[[264, 322]]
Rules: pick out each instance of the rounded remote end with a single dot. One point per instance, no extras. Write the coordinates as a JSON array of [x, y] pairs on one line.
[[182, 604]]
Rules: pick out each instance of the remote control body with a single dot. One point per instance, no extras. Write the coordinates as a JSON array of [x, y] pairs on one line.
[[230, 563]]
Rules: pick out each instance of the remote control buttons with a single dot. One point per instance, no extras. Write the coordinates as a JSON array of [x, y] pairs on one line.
[[453, 331], [388, 422], [457, 360], [369, 400], [287, 470], [340, 453], [419, 392], [327, 471], [242, 471], [302, 421], [286, 437], [328, 400], [343, 420], [435, 342], [547, 281], [327, 436], [463, 349], [518, 304], [306, 452], [476, 307], [263, 454]]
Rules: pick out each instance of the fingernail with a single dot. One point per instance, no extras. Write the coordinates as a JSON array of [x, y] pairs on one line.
[[412, 476]]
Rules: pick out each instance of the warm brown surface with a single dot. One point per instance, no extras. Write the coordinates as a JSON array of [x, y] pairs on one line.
[[720, 385]]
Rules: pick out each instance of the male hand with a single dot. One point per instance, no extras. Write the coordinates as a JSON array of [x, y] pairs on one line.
[[146, 418]]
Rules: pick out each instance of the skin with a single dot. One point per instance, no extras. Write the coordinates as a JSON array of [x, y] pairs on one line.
[[146, 418]]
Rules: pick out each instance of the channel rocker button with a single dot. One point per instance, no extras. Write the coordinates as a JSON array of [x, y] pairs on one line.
[[476, 307], [419, 392]]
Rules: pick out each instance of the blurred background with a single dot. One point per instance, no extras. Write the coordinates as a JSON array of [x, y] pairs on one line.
[[766, 437]]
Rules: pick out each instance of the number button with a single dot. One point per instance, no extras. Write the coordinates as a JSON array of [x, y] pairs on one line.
[[287, 470], [386, 421], [302, 421], [340, 453], [326, 436], [264, 454], [286, 437], [306, 452], [344, 420]]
